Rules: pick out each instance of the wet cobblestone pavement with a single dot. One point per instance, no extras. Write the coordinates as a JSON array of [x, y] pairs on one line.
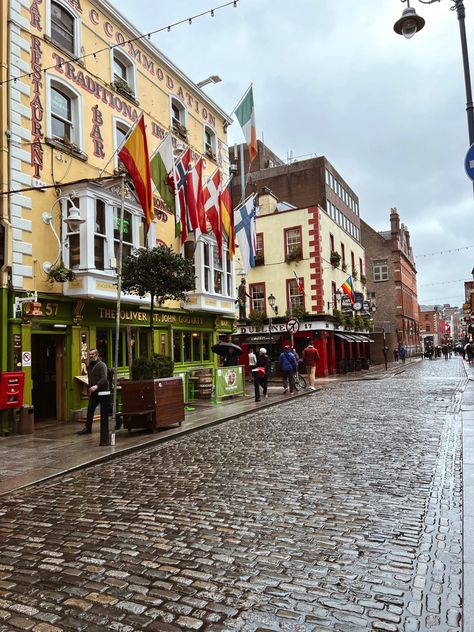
[[338, 511]]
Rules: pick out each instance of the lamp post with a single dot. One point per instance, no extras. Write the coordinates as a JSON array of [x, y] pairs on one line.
[[271, 301], [410, 23]]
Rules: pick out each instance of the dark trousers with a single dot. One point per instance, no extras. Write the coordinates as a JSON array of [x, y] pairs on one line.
[[289, 378], [258, 381], [104, 402]]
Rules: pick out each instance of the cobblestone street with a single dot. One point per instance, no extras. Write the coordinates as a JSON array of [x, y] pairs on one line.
[[336, 511]]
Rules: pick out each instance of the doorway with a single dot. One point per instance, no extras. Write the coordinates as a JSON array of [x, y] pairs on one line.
[[48, 376]]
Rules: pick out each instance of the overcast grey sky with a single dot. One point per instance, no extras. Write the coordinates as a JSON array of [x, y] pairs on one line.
[[332, 78]]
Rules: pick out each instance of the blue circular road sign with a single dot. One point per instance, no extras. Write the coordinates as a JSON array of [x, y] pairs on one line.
[[469, 162]]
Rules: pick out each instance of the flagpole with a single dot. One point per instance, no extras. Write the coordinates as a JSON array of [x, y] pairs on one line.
[[117, 313], [125, 138], [245, 94], [242, 172]]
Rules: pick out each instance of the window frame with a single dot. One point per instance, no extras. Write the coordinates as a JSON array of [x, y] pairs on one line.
[[261, 285], [286, 231], [130, 69], [379, 264], [210, 149], [122, 125], [289, 283], [54, 82], [77, 21]]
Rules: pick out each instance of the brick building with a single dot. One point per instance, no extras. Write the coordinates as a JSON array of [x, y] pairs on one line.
[[391, 283]]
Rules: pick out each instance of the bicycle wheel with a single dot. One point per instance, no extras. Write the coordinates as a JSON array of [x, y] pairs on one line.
[[297, 383], [302, 381]]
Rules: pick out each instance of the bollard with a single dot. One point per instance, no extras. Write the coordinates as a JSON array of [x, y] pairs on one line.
[[27, 420]]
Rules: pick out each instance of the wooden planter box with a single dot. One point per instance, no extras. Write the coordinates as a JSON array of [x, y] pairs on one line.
[[152, 403]]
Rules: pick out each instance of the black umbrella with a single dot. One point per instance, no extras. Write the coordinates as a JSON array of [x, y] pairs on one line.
[[226, 348]]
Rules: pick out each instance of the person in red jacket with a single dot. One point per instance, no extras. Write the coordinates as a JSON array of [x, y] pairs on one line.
[[310, 357]]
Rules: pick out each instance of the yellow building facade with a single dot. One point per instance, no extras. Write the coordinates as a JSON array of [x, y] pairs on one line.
[[76, 76], [294, 269]]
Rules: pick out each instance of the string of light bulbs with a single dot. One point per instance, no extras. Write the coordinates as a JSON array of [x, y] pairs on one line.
[[443, 252], [107, 48]]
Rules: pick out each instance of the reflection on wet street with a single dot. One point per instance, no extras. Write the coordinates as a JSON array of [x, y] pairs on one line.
[[337, 511]]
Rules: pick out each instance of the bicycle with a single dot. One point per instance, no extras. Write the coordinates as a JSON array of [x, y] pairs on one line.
[[300, 381]]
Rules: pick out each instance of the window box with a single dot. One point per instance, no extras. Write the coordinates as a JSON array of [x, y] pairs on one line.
[[355, 274], [180, 130], [120, 85], [293, 255], [259, 260], [335, 259], [363, 279], [344, 267], [210, 154]]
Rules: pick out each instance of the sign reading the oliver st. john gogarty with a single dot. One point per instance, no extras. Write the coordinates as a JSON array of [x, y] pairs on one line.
[[229, 381]]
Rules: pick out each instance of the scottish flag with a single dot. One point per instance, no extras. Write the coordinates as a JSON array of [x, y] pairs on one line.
[[245, 226]]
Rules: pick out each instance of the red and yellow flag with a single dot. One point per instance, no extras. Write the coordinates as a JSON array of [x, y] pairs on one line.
[[134, 155], [227, 217]]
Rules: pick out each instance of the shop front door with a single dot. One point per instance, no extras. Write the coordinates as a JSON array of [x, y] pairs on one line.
[[47, 372]]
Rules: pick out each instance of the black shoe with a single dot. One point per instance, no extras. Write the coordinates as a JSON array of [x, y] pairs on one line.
[[84, 431], [257, 400]]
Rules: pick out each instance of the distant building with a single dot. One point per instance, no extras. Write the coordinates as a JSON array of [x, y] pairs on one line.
[[391, 283], [308, 243]]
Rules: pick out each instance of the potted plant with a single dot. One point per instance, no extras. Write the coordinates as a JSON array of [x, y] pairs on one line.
[[122, 86], [344, 267], [355, 274], [259, 260], [257, 319], [335, 259], [339, 316], [60, 274], [153, 397], [349, 322], [298, 311], [359, 322], [294, 254], [363, 279]]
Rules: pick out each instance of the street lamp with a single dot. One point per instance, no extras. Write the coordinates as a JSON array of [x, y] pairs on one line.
[[211, 79], [271, 301], [338, 296], [410, 23]]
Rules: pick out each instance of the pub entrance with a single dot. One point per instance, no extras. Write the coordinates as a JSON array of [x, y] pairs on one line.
[[48, 376]]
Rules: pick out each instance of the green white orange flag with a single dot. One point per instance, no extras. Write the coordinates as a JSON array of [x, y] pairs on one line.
[[162, 167], [134, 155], [245, 114]]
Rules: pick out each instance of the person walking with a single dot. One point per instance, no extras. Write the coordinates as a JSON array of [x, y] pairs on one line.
[[252, 361], [402, 353], [468, 348], [260, 374], [395, 355], [98, 384], [310, 358], [288, 368]]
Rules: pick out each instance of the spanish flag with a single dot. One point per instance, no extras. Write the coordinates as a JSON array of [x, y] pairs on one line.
[[134, 155], [227, 216], [348, 288]]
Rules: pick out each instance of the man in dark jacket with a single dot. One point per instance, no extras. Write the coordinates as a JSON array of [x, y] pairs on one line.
[[260, 373], [98, 383], [288, 368]]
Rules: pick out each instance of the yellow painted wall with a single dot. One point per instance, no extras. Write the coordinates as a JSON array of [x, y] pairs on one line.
[[155, 81]]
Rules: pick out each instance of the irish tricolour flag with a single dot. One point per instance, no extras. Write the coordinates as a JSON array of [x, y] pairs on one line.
[[245, 114]]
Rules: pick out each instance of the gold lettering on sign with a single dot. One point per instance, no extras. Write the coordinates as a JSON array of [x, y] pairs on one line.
[[51, 309]]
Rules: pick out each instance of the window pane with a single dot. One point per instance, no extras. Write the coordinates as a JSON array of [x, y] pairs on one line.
[[99, 252], [102, 345], [120, 70], [100, 217], [257, 292], [74, 251], [196, 350], [187, 347], [62, 27], [205, 346], [177, 346]]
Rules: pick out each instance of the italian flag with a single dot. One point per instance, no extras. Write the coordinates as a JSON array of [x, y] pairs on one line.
[[245, 114]]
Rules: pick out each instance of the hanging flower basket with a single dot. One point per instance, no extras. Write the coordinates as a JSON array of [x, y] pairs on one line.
[[60, 274]]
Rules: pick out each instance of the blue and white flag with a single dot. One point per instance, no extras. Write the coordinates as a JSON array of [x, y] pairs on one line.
[[245, 227]]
